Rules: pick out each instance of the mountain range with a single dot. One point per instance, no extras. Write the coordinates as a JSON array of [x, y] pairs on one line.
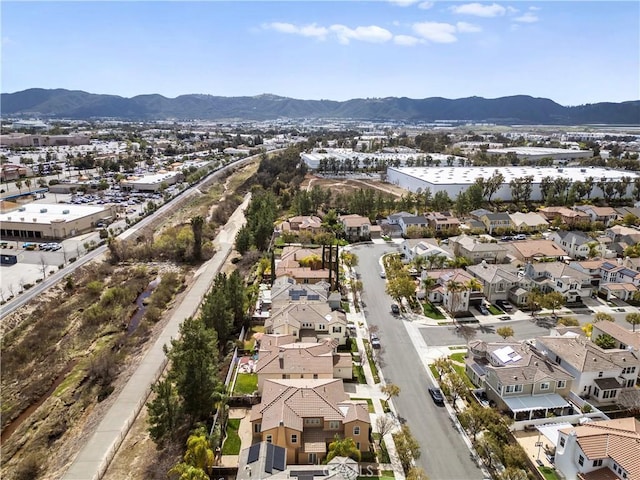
[[518, 109]]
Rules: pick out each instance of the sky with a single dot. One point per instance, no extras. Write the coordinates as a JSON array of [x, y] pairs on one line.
[[573, 52]]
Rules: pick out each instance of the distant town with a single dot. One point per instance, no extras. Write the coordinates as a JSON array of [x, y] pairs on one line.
[[328, 299]]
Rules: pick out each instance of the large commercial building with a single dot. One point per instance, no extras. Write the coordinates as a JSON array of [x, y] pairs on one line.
[[151, 183], [538, 153], [454, 180], [401, 157], [38, 140], [39, 221]]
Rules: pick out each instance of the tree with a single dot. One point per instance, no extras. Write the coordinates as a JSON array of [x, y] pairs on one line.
[[165, 411], [633, 319], [390, 390], [402, 286], [243, 240], [345, 447], [197, 224], [553, 300], [505, 332], [474, 419], [605, 341], [493, 184], [533, 301], [457, 387], [19, 185], [602, 316], [184, 471], [513, 473], [194, 359], [407, 447], [199, 452], [417, 473], [569, 322], [216, 311], [27, 182], [454, 295], [385, 424]]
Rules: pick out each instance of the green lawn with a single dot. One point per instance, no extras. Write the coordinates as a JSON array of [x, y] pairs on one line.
[[431, 311], [385, 406], [232, 442], [463, 374], [458, 357], [549, 473], [434, 371], [358, 373], [494, 310], [246, 384], [345, 306], [387, 474], [372, 363]]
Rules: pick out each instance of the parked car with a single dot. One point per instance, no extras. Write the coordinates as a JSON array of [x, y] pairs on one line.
[[520, 236], [383, 274], [505, 317], [506, 306], [506, 238], [436, 395], [395, 309], [482, 309]]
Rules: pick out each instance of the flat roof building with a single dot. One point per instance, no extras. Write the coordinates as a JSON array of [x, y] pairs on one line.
[[454, 180], [538, 153], [151, 183], [39, 221]]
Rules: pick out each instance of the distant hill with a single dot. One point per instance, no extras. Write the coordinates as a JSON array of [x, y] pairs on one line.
[[519, 109]]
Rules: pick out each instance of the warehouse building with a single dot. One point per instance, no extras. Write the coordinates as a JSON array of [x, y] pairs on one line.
[[151, 183], [538, 153], [454, 180], [387, 157], [39, 221]]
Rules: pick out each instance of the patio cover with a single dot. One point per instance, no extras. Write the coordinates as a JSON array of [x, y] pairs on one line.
[[551, 431], [535, 402]]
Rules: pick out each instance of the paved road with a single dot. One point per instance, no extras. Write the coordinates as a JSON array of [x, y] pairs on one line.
[[444, 455]]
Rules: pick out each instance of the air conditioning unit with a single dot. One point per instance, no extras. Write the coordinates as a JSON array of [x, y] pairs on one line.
[[65, 212], [22, 209], [43, 210]]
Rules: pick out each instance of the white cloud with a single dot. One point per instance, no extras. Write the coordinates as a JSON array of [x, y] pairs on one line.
[[535, 9], [464, 27], [527, 18], [436, 32], [403, 3], [311, 30], [406, 40], [425, 5], [371, 33], [480, 9], [512, 10]]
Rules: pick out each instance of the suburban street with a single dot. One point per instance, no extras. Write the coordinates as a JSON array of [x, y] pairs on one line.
[[444, 455]]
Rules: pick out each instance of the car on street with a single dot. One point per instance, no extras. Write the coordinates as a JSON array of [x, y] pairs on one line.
[[383, 274], [436, 395], [395, 309], [520, 236], [375, 341], [505, 317]]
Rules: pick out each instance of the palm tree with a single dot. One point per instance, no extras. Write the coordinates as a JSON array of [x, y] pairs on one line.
[[454, 288], [419, 262], [474, 284], [19, 185], [429, 283], [27, 182], [197, 224]]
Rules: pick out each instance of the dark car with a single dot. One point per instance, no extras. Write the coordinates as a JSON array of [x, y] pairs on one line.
[[506, 317], [436, 395], [395, 309]]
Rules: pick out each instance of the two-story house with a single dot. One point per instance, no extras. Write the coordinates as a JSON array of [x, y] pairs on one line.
[[415, 221], [496, 221], [565, 216], [518, 380], [602, 450], [577, 245], [606, 215], [454, 289], [442, 222], [559, 277], [355, 227], [308, 321], [294, 360], [598, 374], [497, 280], [305, 415], [477, 249], [423, 247], [528, 222], [302, 223], [304, 265]]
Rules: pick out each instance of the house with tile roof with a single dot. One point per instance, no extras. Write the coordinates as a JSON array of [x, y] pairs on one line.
[[355, 227], [442, 221], [497, 280], [423, 247], [302, 223], [500, 222], [295, 360], [453, 290], [600, 450], [305, 415], [576, 244], [518, 380], [535, 251], [565, 216], [614, 271], [308, 321], [528, 222], [558, 277], [623, 337], [599, 374], [476, 249], [606, 215], [304, 265]]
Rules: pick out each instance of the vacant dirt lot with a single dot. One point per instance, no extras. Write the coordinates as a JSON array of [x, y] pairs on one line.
[[346, 185]]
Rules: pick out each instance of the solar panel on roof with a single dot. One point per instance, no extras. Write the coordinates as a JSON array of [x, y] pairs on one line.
[[268, 461], [313, 297], [279, 462], [254, 453]]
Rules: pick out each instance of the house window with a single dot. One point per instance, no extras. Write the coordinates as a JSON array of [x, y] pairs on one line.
[[337, 329], [597, 463], [334, 425], [581, 460], [315, 376], [257, 427], [599, 374], [544, 386], [562, 441], [322, 326], [558, 360], [286, 376], [596, 391], [294, 438], [268, 439], [358, 445], [356, 430], [518, 388], [313, 458], [312, 421], [630, 383], [509, 389], [562, 383]]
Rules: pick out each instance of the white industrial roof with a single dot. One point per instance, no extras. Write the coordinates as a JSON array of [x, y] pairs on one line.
[[46, 213], [151, 179], [468, 175], [536, 150]]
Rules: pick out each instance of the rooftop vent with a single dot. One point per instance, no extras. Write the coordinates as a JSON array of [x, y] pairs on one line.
[[22, 209], [65, 212], [43, 210]]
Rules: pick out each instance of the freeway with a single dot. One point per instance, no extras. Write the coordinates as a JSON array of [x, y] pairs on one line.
[[444, 455]]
